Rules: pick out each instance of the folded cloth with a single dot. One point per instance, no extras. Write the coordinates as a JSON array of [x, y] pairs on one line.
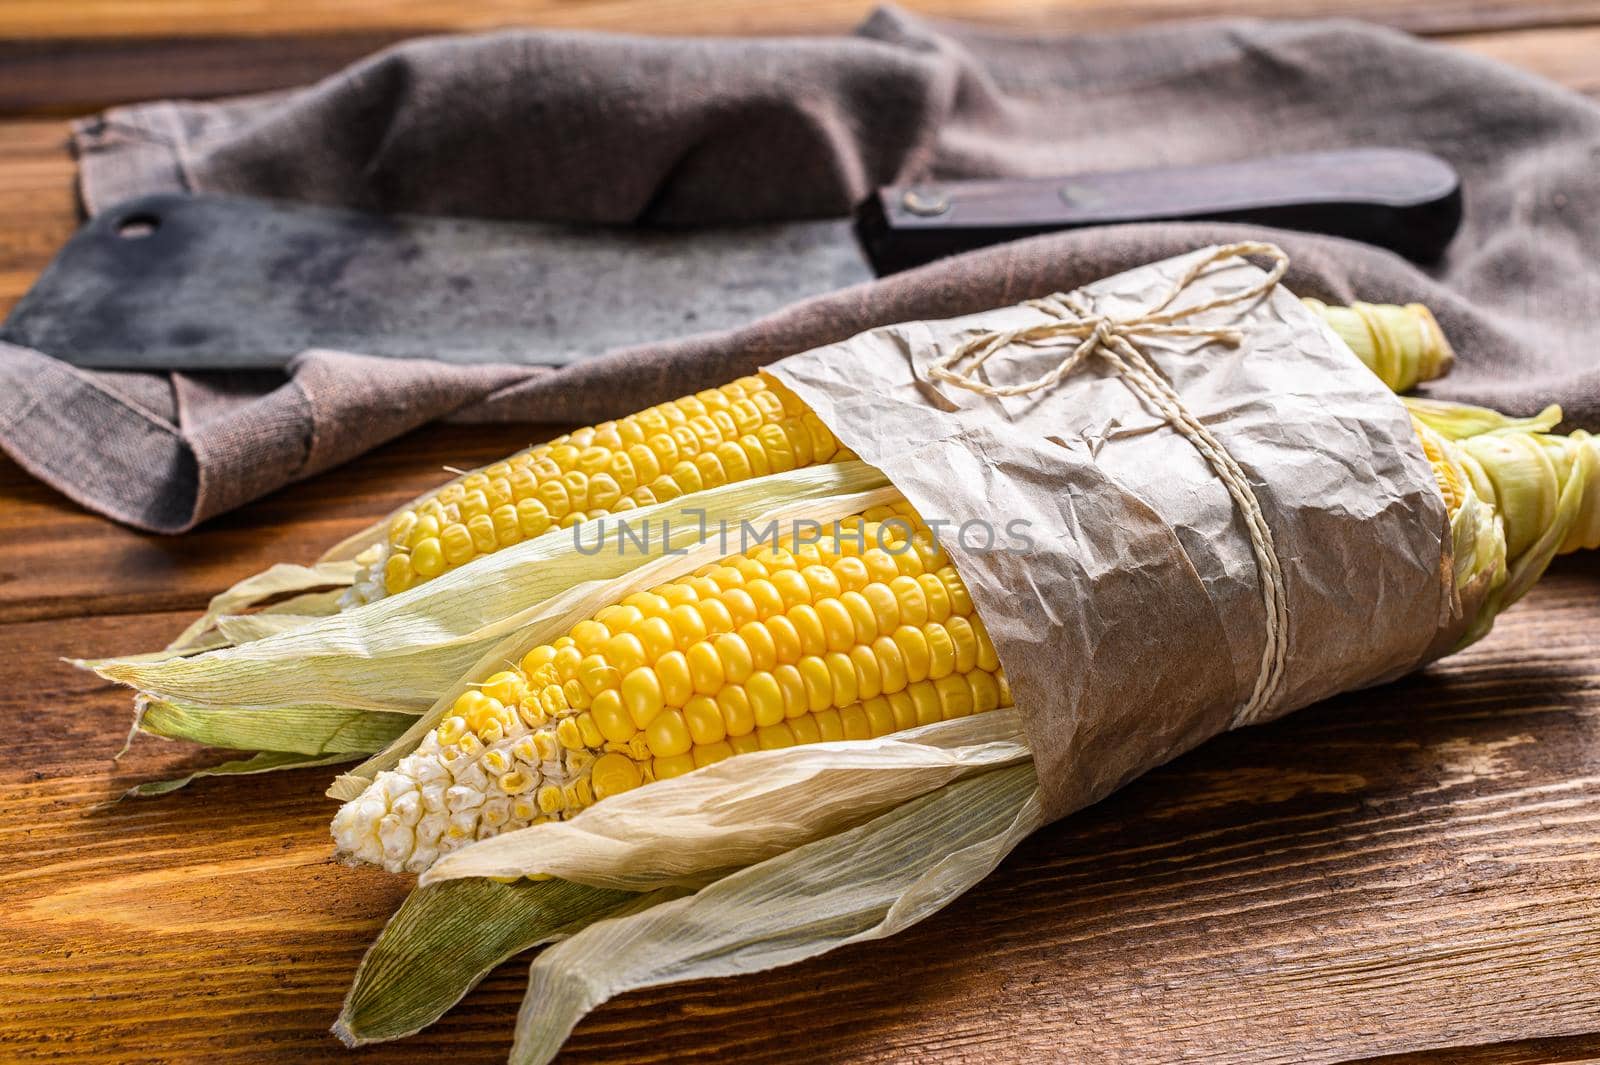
[[595, 128]]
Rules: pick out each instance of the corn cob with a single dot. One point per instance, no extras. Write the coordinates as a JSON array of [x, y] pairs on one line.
[[749, 428], [836, 640], [842, 639]]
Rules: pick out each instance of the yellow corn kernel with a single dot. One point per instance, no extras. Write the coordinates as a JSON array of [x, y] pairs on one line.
[[398, 574], [613, 774], [507, 686], [551, 800], [577, 794], [668, 734], [792, 683], [775, 737], [427, 558], [880, 717], [829, 725], [703, 720], [673, 766], [805, 730], [568, 735], [642, 696], [456, 542], [737, 710], [710, 753]]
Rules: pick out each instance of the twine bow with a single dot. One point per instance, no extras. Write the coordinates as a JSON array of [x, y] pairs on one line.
[[1112, 339]]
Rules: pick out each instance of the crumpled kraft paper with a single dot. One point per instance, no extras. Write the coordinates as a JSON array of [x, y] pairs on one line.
[[1126, 606]]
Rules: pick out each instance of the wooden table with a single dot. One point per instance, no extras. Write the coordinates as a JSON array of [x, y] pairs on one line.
[[1391, 873]]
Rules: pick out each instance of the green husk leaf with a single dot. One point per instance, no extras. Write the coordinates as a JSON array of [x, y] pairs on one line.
[[260, 762], [866, 883], [447, 937], [1458, 421], [311, 730], [1529, 566]]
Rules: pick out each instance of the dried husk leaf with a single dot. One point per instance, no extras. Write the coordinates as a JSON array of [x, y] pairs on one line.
[[271, 583], [1531, 564], [865, 883]]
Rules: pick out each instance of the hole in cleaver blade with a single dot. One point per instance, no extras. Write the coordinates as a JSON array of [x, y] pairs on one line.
[[223, 283]]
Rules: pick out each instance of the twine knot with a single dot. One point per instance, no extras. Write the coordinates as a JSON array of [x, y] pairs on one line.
[[1096, 333], [1112, 339]]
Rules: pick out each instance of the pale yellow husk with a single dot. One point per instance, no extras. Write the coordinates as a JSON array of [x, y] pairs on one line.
[[862, 884]]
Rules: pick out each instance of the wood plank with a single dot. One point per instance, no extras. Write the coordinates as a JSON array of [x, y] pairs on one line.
[[1569, 56], [61, 560], [1400, 869], [43, 19], [77, 75], [38, 201]]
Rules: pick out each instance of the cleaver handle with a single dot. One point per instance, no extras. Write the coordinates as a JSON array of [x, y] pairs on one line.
[[1403, 200]]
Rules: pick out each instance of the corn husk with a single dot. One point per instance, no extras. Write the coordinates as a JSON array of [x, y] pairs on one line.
[[862, 884], [292, 586], [658, 843], [299, 594], [446, 938], [311, 730], [1458, 421]]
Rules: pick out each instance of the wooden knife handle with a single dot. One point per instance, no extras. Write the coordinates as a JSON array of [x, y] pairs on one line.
[[1406, 201]]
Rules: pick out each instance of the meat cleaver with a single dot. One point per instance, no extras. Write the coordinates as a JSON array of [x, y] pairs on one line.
[[219, 283]]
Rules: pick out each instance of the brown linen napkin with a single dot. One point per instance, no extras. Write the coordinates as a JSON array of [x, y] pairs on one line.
[[585, 127]]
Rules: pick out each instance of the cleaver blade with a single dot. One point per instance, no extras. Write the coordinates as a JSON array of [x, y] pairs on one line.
[[201, 282], [179, 282]]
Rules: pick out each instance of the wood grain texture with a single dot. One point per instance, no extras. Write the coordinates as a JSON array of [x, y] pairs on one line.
[[1568, 55], [82, 74], [48, 19], [1400, 869], [60, 563], [1405, 876], [38, 201]]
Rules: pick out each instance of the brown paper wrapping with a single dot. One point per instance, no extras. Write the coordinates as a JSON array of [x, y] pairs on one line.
[[1132, 628]]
